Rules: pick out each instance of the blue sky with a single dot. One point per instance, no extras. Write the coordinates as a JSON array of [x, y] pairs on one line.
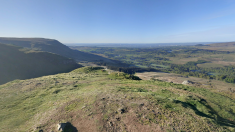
[[119, 21]]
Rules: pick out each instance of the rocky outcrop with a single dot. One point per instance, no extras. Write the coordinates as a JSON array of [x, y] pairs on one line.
[[61, 126], [186, 82]]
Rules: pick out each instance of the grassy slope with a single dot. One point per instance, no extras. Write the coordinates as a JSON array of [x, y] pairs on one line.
[[17, 63], [92, 100], [53, 46]]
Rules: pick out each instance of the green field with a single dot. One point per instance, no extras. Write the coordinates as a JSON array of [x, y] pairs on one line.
[[160, 65], [182, 60], [209, 65]]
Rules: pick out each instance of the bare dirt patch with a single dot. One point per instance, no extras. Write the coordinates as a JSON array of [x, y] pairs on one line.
[[215, 85]]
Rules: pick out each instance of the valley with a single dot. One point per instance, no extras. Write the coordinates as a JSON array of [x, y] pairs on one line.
[[179, 88], [198, 61]]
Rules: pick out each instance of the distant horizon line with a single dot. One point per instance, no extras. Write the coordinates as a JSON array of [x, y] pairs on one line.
[[144, 43], [152, 43]]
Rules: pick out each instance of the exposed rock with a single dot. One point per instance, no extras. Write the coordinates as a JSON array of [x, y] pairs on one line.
[[83, 107], [122, 110], [185, 82], [110, 124], [231, 90], [61, 126]]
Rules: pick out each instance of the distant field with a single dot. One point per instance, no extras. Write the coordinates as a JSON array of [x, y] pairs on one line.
[[224, 63], [216, 60], [163, 66], [220, 57], [218, 48], [179, 59], [141, 66], [209, 65], [176, 60], [212, 73]]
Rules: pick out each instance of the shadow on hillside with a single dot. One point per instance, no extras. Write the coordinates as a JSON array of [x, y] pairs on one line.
[[214, 115], [69, 128]]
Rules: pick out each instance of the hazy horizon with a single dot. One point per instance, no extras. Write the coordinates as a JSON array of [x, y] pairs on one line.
[[144, 45]]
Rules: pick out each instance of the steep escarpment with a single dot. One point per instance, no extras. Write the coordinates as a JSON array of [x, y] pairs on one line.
[[19, 63], [53, 46]]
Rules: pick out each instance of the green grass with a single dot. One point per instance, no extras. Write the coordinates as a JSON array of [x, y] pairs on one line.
[[19, 63], [163, 66], [209, 65], [90, 92], [141, 66], [121, 75]]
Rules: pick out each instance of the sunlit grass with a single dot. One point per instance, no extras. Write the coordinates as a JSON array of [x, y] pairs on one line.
[[25, 101]]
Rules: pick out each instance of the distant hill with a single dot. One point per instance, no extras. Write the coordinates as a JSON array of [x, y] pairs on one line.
[[226, 44], [53, 46], [19, 63]]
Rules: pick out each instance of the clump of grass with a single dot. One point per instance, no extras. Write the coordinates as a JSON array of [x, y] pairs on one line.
[[131, 89], [122, 75], [71, 106], [88, 69]]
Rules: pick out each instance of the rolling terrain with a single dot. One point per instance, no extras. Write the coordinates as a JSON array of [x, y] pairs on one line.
[[198, 61], [53, 46], [94, 99], [227, 46], [19, 63], [89, 99]]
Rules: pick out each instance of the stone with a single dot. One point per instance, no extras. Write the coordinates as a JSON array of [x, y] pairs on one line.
[[110, 124], [121, 110], [61, 126], [187, 82], [83, 107]]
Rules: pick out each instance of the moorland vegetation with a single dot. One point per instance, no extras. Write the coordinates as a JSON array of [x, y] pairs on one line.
[[90, 99]]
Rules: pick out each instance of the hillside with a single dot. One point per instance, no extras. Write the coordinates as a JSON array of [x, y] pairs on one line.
[[19, 63], [53, 46], [226, 44], [89, 99]]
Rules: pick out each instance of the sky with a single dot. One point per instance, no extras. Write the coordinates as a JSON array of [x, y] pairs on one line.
[[119, 21]]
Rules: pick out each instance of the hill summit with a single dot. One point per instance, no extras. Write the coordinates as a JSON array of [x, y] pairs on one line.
[[91, 100], [53, 46]]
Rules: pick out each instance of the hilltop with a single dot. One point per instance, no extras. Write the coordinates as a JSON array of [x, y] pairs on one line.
[[53, 46], [89, 99], [19, 63]]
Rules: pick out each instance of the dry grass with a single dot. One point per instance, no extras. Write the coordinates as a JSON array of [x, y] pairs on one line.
[[214, 85]]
